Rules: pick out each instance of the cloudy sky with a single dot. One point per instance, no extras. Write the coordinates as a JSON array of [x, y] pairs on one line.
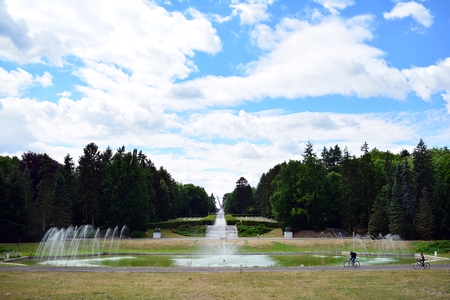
[[216, 90]]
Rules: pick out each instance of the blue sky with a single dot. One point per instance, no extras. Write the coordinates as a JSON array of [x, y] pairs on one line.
[[216, 90]]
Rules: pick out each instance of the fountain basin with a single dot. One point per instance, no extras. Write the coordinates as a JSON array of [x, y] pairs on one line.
[[214, 261]]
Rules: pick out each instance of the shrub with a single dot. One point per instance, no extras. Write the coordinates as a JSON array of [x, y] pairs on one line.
[[439, 246], [137, 234], [187, 230], [231, 220], [248, 231]]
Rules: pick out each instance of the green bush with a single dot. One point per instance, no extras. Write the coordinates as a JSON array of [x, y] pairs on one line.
[[137, 234], [249, 231], [4, 250], [188, 230], [231, 220], [209, 220], [439, 246], [176, 224], [256, 223]]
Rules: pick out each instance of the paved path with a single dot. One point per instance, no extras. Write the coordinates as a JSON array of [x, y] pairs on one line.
[[217, 270]]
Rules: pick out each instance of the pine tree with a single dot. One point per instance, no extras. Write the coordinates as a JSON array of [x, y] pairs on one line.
[[90, 182], [45, 193], [367, 180], [441, 160], [378, 223], [349, 201], [244, 195], [126, 195], [408, 200], [396, 211], [62, 206], [425, 217]]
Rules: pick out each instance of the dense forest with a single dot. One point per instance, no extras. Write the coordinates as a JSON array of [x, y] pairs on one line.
[[406, 193], [104, 190]]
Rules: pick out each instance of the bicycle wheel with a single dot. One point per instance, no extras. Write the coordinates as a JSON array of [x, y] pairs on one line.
[[426, 265], [416, 265], [356, 264], [347, 263]]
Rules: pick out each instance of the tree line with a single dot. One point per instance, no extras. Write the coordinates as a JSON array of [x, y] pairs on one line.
[[104, 189], [406, 193]]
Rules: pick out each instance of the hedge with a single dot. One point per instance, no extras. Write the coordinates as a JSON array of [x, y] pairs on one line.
[[176, 224]]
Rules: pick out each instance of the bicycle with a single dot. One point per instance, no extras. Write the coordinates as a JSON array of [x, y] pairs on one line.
[[348, 263], [418, 265]]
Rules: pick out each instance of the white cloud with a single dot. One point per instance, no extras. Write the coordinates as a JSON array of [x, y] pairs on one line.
[[304, 59], [138, 36], [65, 94], [13, 83], [446, 97], [251, 11], [334, 5], [425, 81], [14, 30], [45, 80], [417, 11]]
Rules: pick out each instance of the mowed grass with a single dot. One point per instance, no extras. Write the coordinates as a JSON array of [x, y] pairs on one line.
[[346, 284]]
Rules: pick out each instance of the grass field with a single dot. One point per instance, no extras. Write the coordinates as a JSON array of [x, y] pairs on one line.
[[346, 284]]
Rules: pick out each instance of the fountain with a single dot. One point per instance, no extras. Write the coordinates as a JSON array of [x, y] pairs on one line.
[[371, 250], [66, 246], [221, 249], [220, 229]]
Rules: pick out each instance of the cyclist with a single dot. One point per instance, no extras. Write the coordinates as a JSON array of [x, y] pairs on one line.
[[422, 259], [352, 257]]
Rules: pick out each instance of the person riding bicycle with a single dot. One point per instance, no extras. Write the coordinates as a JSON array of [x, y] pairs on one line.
[[422, 259], [352, 257]]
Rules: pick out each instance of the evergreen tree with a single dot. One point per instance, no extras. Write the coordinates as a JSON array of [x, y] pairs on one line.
[[425, 217], [408, 199], [397, 215], [243, 195], [265, 190], [309, 152], [314, 184], [367, 182], [441, 158], [212, 206], [349, 201], [172, 199], [423, 174], [389, 171], [332, 158], [90, 180], [71, 180], [152, 181], [163, 203], [126, 193], [15, 198], [332, 199], [45, 193], [61, 203], [379, 224]]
